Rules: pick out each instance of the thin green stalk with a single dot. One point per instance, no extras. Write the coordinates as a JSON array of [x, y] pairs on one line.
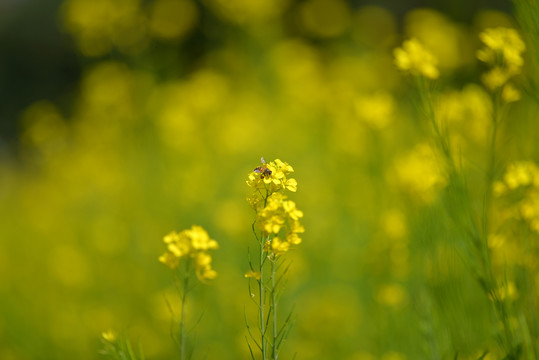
[[183, 300], [261, 303], [488, 282], [491, 173], [274, 311]]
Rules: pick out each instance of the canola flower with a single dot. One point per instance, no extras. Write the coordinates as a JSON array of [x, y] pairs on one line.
[[270, 177], [280, 214], [109, 335], [274, 211], [413, 58], [190, 244], [522, 177], [502, 53], [278, 221], [119, 347]]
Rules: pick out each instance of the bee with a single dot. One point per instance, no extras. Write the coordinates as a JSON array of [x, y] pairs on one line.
[[263, 170]]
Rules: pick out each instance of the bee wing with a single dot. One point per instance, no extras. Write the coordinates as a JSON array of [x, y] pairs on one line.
[[263, 160]]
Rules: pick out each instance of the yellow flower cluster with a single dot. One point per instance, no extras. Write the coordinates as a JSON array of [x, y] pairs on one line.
[[522, 175], [269, 178], [191, 244], [412, 57], [275, 213], [419, 172], [280, 214], [503, 53]]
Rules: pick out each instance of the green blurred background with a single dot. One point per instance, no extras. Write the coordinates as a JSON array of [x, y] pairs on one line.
[[121, 120]]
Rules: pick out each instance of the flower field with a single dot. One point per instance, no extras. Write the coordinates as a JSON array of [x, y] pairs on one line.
[[273, 179]]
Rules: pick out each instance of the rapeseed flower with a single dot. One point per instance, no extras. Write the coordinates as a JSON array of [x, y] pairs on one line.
[[280, 214], [272, 177], [503, 54], [276, 214], [190, 244], [109, 335], [522, 179], [412, 57], [420, 173], [503, 46]]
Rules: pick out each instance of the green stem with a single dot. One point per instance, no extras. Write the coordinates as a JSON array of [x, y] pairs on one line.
[[261, 304], [274, 311], [183, 300], [482, 246]]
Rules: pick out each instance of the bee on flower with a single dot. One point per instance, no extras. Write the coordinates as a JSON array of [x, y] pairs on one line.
[[272, 177], [276, 228], [263, 170]]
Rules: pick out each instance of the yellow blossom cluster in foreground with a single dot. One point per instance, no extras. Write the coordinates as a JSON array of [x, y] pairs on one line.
[[192, 245], [276, 214], [271, 177]]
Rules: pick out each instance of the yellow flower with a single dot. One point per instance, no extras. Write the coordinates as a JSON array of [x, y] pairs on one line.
[[522, 173], [275, 214], [272, 177], [201, 240], [253, 274], [522, 178], [290, 208], [109, 335], [192, 243], [503, 53], [510, 93], [293, 238], [412, 57], [279, 246], [279, 214], [203, 266], [170, 260], [495, 77], [419, 172], [502, 41]]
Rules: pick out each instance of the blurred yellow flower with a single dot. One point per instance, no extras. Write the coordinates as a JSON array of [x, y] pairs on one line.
[[172, 19], [248, 12], [324, 18], [466, 113], [521, 173], [420, 173], [190, 244], [503, 54], [109, 335], [510, 93], [507, 291], [446, 40], [375, 109], [253, 274], [521, 178], [393, 295], [100, 25], [505, 42], [412, 57]]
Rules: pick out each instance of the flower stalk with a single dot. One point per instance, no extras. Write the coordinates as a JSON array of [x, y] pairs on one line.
[[276, 230]]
